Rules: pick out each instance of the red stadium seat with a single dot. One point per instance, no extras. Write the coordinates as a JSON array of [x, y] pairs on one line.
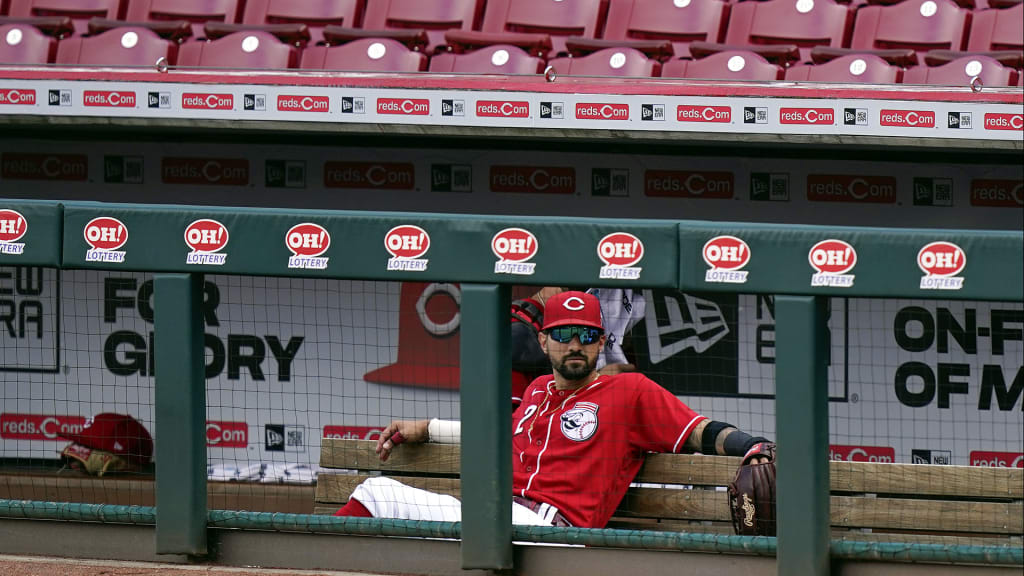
[[80, 11], [434, 16], [804, 23], [24, 44], [961, 71], [993, 30], [246, 49], [557, 18], [365, 55], [680, 21], [852, 68], [128, 46], [198, 12], [920, 25], [728, 65], [496, 59], [314, 14], [626, 62]]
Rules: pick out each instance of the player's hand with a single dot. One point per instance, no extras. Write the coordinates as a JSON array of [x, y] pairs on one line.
[[617, 368], [400, 431]]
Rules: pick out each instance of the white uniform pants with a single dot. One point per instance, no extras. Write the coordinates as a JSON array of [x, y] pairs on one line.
[[387, 498]]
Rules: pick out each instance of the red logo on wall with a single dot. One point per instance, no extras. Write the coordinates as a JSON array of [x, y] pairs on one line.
[[405, 106], [514, 245], [105, 233], [38, 426], [686, 184], [539, 179], [205, 171], [206, 236], [997, 459], [307, 239], [620, 249], [907, 118], [352, 432], [65, 167], [1004, 122], [227, 434], [807, 116], [941, 259], [502, 109], [377, 175], [832, 257], [108, 98], [601, 111], [197, 101], [303, 103], [997, 192], [407, 241], [687, 113], [17, 96], [861, 453], [726, 253], [850, 188], [12, 226]]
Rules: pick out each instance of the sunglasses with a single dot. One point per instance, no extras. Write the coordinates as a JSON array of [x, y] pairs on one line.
[[565, 334]]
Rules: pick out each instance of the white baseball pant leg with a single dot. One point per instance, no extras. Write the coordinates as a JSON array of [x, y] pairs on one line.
[[387, 498]]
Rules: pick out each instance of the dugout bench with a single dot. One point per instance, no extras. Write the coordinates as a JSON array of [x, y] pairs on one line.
[[870, 501]]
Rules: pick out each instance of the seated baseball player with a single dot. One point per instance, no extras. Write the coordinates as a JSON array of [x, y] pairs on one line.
[[579, 437]]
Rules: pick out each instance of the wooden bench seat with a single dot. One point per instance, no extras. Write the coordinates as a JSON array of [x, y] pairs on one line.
[[870, 501], [140, 490]]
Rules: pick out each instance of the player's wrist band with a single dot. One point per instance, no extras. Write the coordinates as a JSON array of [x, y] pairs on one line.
[[738, 442], [444, 431], [710, 435]]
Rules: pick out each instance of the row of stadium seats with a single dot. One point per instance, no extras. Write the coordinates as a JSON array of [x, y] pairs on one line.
[[134, 46], [663, 29]]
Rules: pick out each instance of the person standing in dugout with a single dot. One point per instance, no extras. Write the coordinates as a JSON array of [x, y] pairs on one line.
[[579, 438]]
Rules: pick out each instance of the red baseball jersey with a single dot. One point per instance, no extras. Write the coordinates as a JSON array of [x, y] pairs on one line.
[[578, 450]]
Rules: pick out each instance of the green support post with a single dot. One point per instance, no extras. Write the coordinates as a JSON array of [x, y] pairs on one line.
[[486, 428], [801, 427], [180, 414]]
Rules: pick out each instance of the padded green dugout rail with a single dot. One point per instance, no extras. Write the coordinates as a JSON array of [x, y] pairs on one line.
[[366, 245], [863, 262], [30, 233]]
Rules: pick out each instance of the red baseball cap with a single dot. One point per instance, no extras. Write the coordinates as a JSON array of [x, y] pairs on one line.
[[572, 308], [116, 433]]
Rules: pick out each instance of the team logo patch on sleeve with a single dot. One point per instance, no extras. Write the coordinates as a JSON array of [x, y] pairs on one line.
[[580, 423]]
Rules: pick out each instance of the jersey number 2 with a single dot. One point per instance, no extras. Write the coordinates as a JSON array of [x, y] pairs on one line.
[[529, 412]]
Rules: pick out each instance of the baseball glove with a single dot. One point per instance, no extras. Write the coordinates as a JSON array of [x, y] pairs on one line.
[[752, 493], [92, 461]]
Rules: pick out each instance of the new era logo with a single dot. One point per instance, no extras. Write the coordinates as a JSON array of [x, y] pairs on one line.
[[254, 102], [451, 178], [609, 182], [551, 110], [285, 174], [943, 457], [753, 115], [933, 192], [960, 120], [855, 116], [453, 107], [353, 105], [158, 100], [652, 112], [765, 187], [60, 98]]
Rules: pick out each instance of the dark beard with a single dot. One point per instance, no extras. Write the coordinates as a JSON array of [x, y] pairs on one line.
[[574, 372]]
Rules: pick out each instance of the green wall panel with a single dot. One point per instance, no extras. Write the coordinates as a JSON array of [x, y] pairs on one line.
[[30, 233]]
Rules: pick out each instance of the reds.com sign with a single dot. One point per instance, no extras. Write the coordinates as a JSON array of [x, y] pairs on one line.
[[108, 98], [502, 109], [196, 101], [303, 103], [985, 192], [39, 426], [602, 111], [539, 179], [851, 188], [814, 116], [1004, 122], [687, 184], [352, 432], [205, 171], [375, 175], [227, 434], [997, 459], [861, 453], [17, 97], [404, 106], [907, 118], [686, 113], [64, 167]]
